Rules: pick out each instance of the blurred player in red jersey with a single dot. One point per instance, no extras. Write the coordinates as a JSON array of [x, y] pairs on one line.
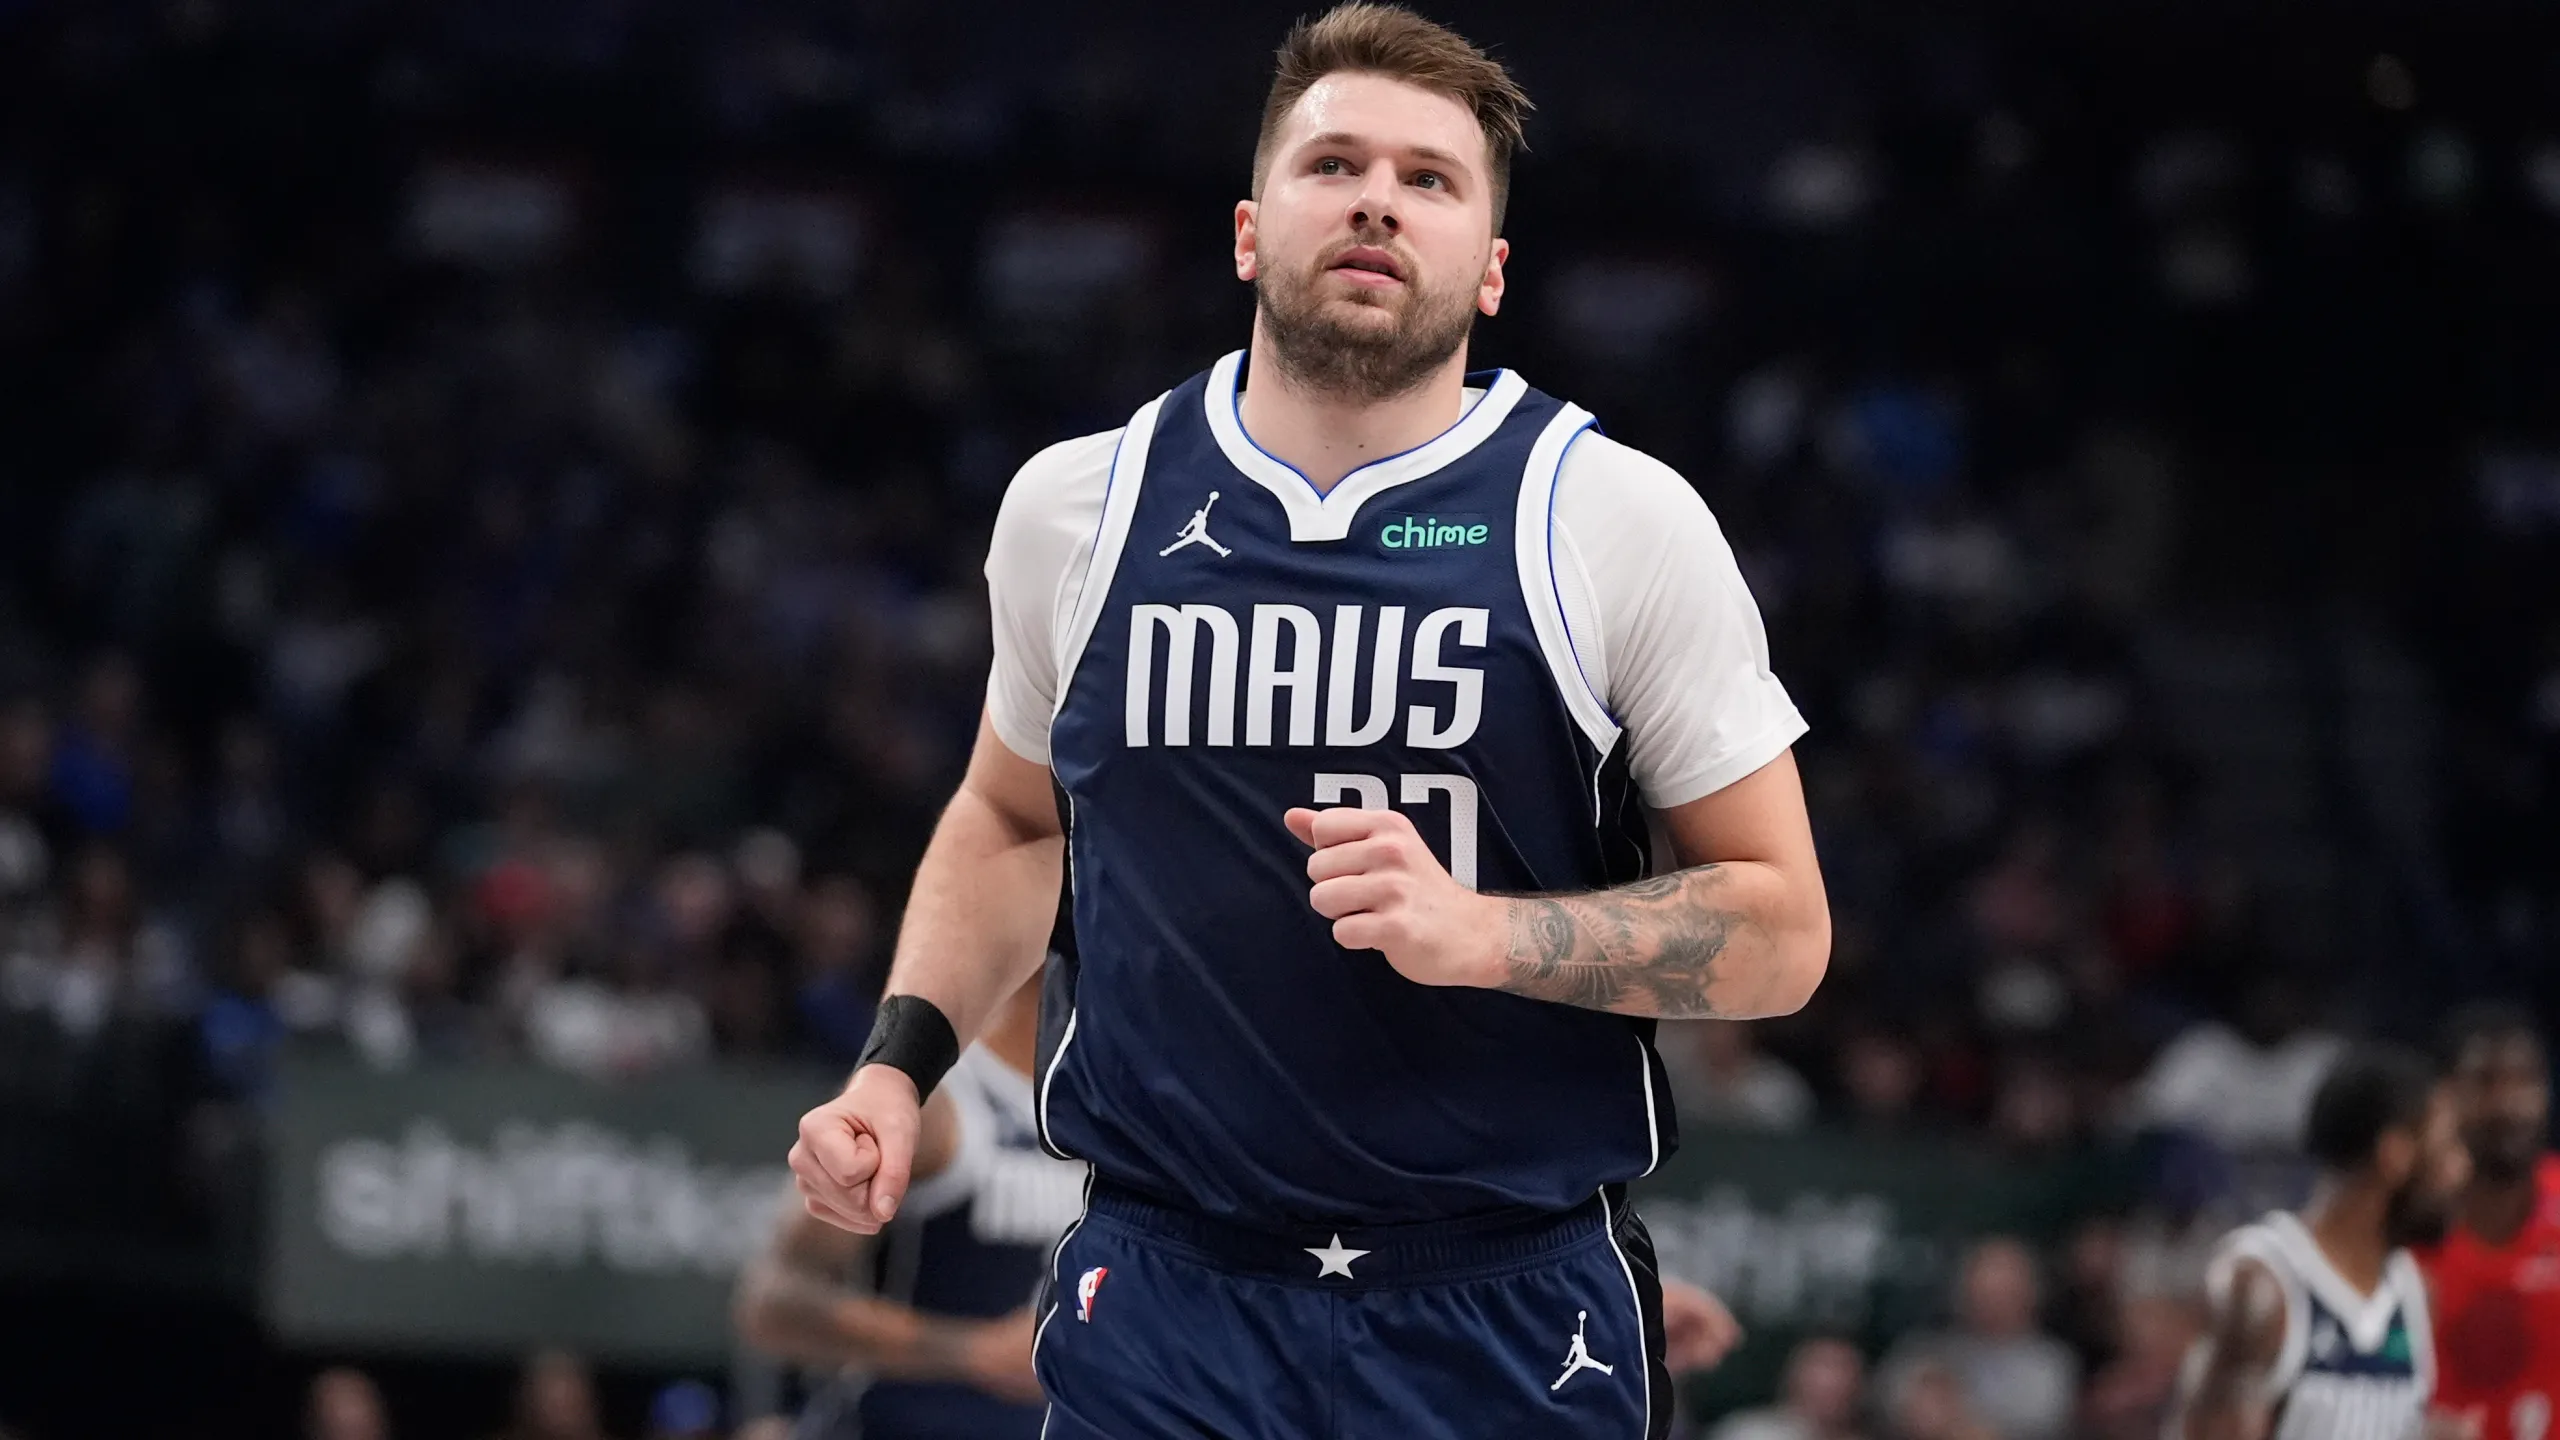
[[2496, 1275]]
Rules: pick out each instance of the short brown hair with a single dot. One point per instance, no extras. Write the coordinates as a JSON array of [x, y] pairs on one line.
[[1390, 40]]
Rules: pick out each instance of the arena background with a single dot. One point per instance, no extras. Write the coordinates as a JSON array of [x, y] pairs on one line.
[[488, 609]]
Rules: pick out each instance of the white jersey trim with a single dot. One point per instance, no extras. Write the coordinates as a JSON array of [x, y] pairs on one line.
[[2259, 1243], [1652, 1118], [1328, 514], [2286, 1248], [1111, 536], [1534, 550], [2417, 1311], [2367, 1317], [1644, 1341], [1058, 1281], [1049, 1081]]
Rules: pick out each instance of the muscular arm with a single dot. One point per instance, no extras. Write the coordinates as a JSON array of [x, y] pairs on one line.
[[977, 922], [1743, 930], [976, 927], [2246, 1336]]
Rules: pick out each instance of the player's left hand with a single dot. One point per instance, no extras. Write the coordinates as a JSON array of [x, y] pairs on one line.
[[1697, 1330], [1384, 890]]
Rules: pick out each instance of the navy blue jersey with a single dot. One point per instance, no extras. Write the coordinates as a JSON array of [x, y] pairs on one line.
[[969, 1242], [1241, 645]]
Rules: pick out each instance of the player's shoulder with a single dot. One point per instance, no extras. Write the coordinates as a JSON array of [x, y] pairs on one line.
[[1050, 507], [1066, 470], [1608, 463], [1608, 488], [2272, 1242]]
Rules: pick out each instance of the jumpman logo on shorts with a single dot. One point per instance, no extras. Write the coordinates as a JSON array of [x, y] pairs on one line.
[[1578, 1359], [1197, 532]]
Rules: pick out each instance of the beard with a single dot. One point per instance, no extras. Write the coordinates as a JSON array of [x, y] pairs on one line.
[[2503, 1152], [1316, 346], [2416, 1218]]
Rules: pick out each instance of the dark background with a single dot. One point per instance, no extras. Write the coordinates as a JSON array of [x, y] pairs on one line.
[[435, 500]]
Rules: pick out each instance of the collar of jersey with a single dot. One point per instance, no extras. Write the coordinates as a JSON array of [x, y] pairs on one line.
[[1327, 514], [2367, 1318]]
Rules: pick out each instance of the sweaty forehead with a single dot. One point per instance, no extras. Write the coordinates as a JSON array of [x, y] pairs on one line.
[[1386, 112]]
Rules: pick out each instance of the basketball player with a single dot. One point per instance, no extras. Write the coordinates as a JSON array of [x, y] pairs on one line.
[[2320, 1325], [2496, 1276], [1355, 805], [938, 1345]]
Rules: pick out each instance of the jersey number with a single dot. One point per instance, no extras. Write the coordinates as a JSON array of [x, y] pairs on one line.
[[1369, 792]]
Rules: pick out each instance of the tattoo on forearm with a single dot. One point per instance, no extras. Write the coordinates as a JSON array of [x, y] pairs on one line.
[[1650, 948], [802, 1316]]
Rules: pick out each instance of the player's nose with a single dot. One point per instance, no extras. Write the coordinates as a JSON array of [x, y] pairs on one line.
[[1375, 206]]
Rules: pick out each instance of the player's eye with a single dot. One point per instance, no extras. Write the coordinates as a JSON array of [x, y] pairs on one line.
[[1431, 180], [1332, 165]]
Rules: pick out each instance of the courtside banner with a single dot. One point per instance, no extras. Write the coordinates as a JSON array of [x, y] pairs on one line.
[[484, 1209], [1850, 1235]]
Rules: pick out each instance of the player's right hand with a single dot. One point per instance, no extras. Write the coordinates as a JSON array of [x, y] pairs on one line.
[[856, 1151]]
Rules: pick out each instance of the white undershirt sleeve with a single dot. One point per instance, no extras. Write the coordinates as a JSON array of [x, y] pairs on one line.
[[1665, 629], [1035, 565]]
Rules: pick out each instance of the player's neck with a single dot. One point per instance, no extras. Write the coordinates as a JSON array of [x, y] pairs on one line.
[[1326, 436], [2495, 1209], [2347, 1222]]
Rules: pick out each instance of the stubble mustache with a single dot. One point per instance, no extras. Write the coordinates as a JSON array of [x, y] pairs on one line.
[[1367, 362]]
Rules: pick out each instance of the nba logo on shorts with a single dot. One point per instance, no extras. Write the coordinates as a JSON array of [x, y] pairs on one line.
[[1089, 1285]]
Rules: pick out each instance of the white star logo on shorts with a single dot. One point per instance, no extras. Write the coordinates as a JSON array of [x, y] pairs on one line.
[[1333, 1259]]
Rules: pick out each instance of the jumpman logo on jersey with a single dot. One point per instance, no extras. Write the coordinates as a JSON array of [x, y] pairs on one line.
[[1197, 532], [1578, 1359]]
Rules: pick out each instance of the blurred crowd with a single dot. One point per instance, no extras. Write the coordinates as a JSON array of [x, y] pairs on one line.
[[2018, 1359], [555, 1398], [489, 560]]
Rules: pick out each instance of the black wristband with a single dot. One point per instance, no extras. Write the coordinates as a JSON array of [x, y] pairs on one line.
[[912, 1034]]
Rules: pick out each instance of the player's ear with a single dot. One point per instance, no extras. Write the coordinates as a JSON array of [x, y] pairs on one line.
[[1489, 289], [1248, 258]]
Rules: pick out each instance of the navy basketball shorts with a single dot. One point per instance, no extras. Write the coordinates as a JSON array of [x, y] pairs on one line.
[[1160, 1324]]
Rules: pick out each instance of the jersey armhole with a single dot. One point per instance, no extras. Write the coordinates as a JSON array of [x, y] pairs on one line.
[[2417, 1311], [1533, 545], [1586, 632], [1110, 536], [2263, 1250]]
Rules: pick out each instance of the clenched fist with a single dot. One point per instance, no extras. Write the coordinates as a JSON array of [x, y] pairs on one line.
[[856, 1151], [1384, 890]]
